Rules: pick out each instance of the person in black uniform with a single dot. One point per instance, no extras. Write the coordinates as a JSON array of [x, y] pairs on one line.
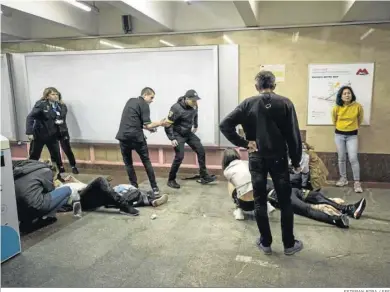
[[271, 132], [183, 124], [41, 127], [63, 133], [135, 118]]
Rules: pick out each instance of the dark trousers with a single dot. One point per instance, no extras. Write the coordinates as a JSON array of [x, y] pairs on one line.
[[304, 209], [316, 198], [278, 169], [36, 147], [141, 148], [196, 145], [65, 145]]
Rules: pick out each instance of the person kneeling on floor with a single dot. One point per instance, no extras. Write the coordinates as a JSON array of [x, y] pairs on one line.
[[37, 198], [125, 197]]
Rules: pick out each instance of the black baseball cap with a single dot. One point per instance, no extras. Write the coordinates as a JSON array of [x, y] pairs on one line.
[[192, 94]]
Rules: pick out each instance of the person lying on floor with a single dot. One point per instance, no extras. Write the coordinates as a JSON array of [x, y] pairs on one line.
[[37, 199], [238, 175], [124, 197]]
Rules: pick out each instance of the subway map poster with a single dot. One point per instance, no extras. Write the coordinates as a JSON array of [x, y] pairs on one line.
[[324, 82]]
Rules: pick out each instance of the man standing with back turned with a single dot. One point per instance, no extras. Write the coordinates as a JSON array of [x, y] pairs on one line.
[[271, 129], [135, 118]]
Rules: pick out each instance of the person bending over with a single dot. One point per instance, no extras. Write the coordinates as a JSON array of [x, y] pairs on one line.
[[41, 127], [183, 124], [36, 196], [240, 186], [303, 201], [125, 197]]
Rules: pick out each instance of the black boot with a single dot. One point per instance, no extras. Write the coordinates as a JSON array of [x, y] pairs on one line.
[[173, 184]]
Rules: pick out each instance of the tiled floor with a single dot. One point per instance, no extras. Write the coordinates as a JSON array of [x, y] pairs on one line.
[[195, 242]]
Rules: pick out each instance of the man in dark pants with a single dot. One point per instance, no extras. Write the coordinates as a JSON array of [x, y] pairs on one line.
[[183, 119], [271, 129], [135, 118]]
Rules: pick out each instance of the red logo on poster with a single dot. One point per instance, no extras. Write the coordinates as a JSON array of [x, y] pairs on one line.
[[362, 72]]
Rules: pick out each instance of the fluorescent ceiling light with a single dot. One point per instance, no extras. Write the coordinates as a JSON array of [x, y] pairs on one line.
[[79, 5], [227, 39], [167, 43], [366, 34], [55, 47], [111, 44]]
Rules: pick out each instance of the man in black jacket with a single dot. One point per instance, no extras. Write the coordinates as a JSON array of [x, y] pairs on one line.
[[135, 118], [36, 196], [183, 119], [271, 129]]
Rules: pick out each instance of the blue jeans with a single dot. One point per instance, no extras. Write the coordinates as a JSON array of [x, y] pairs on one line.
[[348, 144], [59, 197]]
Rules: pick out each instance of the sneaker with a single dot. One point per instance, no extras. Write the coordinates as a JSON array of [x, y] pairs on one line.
[[267, 250], [129, 210], [162, 200], [298, 246], [77, 212], [270, 208], [356, 210], [342, 221], [207, 179], [156, 191], [342, 182], [62, 169], [358, 187], [173, 184], [75, 170], [238, 214]]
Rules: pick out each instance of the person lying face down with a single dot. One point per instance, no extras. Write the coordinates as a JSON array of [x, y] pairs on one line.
[[305, 202], [125, 197]]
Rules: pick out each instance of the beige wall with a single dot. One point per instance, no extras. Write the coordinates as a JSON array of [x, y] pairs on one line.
[[340, 44]]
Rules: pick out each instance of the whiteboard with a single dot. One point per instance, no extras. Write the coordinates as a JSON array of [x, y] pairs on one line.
[[324, 82], [8, 129], [96, 85]]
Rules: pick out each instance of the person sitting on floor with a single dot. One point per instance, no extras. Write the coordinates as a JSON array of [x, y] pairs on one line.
[[240, 188], [303, 201], [36, 197], [313, 175], [125, 197]]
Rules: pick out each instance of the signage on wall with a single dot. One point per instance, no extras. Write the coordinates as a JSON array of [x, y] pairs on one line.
[[278, 70]]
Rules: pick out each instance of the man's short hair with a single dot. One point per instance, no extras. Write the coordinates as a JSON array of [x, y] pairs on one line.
[[147, 91], [265, 80]]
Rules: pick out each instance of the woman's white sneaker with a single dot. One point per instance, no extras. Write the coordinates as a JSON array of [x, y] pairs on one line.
[[358, 187], [342, 182], [238, 214]]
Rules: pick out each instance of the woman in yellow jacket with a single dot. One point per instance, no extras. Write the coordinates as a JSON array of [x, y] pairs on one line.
[[347, 116]]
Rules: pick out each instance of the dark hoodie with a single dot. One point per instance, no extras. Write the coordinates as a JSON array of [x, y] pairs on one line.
[[33, 183], [183, 118]]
